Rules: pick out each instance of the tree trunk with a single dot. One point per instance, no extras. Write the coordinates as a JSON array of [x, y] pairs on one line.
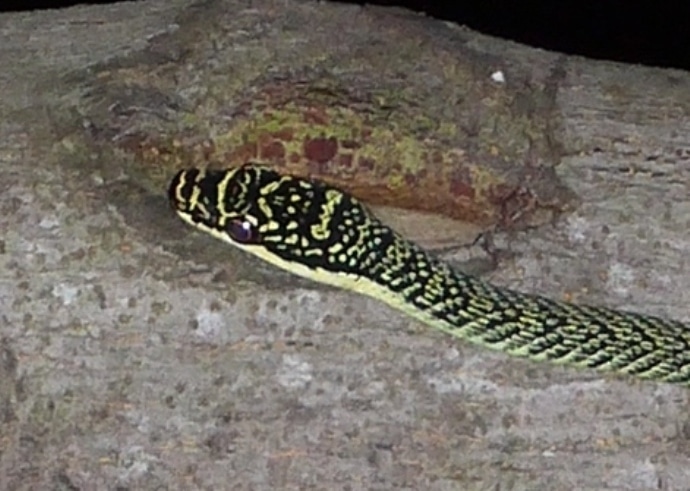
[[137, 354]]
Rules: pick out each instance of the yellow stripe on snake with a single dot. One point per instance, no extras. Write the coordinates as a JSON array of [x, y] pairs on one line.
[[319, 232]]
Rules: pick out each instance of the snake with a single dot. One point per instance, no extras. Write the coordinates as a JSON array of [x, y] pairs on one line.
[[320, 232]]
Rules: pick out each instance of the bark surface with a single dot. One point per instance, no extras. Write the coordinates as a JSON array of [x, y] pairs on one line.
[[136, 354]]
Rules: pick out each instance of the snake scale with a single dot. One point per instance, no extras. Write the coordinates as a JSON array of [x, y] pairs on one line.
[[319, 232]]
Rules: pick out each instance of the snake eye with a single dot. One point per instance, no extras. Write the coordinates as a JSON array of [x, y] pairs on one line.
[[242, 231]]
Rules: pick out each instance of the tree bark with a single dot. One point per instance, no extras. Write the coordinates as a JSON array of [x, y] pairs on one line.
[[136, 354]]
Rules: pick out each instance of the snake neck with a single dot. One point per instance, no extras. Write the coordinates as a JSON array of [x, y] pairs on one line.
[[423, 285], [406, 277]]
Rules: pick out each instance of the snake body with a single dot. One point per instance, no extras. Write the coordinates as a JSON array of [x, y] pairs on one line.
[[322, 233]]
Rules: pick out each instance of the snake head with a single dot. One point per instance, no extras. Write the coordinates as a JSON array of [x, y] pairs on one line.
[[286, 220], [217, 202]]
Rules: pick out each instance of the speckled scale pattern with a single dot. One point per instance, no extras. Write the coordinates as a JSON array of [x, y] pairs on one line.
[[321, 233]]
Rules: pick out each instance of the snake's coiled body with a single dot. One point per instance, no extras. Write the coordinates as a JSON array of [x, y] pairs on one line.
[[321, 233]]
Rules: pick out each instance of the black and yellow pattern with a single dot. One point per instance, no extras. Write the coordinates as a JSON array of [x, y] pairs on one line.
[[321, 233]]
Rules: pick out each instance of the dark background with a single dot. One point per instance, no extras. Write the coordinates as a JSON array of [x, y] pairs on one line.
[[651, 33]]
